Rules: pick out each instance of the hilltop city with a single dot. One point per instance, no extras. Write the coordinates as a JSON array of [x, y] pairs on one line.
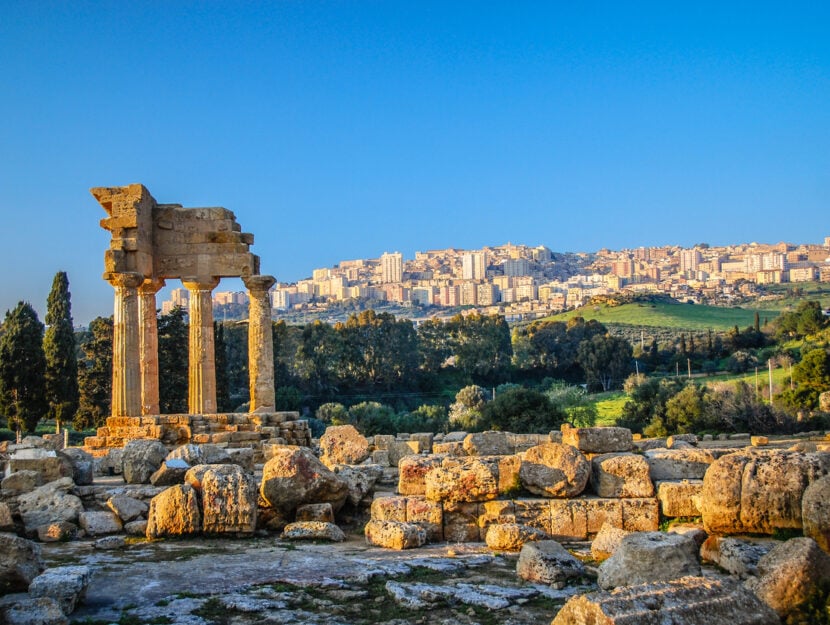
[[523, 282]]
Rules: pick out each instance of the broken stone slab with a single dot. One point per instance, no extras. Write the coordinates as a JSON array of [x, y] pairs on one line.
[[313, 530], [758, 491], [50, 503], [360, 480], [20, 482], [678, 464], [229, 500], [738, 557], [815, 512], [394, 534], [27, 610], [343, 444], [171, 471], [463, 480], [598, 440], [110, 543], [65, 584], [315, 512], [127, 508], [136, 528], [548, 562], [621, 475], [488, 443], [57, 532], [20, 563], [554, 470], [98, 523], [684, 601], [511, 536], [6, 521], [679, 499], [83, 465], [643, 557], [790, 575], [607, 541], [174, 512], [140, 459], [190, 453]]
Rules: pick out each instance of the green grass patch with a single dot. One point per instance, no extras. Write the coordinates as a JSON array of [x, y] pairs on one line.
[[666, 315], [609, 406]]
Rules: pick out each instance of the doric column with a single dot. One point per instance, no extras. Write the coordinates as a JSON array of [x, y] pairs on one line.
[[260, 345], [201, 394], [149, 346], [126, 364]]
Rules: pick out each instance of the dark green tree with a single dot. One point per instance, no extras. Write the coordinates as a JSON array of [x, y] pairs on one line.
[[59, 348], [520, 409], [482, 345], [382, 350], [288, 398], [173, 361], [95, 375], [223, 397], [606, 361], [22, 369]]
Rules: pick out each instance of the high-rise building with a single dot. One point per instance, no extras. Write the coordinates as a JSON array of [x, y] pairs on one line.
[[391, 267], [516, 267], [474, 266], [690, 259]]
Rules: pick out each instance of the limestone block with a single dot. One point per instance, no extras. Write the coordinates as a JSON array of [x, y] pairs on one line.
[[511, 536], [51, 467], [83, 465], [759, 441], [127, 508], [65, 584], [29, 610], [171, 471], [533, 513], [20, 482], [672, 442], [313, 530], [509, 469], [607, 541], [190, 453], [738, 557], [554, 470], [815, 512], [98, 523], [463, 480], [140, 459], [449, 449], [685, 601], [394, 534], [679, 499], [424, 440], [569, 519], [60, 531], [174, 512], [429, 515], [50, 503], [343, 444], [487, 444], [678, 464], [791, 574], [229, 500], [360, 480], [758, 491], [401, 449], [389, 509], [495, 512], [621, 475], [381, 457], [6, 522], [315, 512], [461, 522], [294, 477], [20, 563], [644, 557], [523, 442], [641, 514], [599, 440], [412, 471], [601, 511], [548, 562]]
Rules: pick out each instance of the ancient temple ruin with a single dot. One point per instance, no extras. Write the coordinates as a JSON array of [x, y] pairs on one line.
[[152, 243]]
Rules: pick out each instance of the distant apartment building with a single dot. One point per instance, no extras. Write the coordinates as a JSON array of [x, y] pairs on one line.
[[690, 260], [230, 297], [513, 267], [474, 266], [391, 267]]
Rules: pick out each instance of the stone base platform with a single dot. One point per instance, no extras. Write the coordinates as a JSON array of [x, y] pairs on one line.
[[230, 430]]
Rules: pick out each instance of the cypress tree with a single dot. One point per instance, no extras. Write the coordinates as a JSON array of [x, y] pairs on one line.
[[95, 375], [223, 399], [173, 361], [22, 369], [59, 348]]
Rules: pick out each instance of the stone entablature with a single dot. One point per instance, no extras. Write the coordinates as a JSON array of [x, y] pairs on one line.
[[231, 430], [154, 242]]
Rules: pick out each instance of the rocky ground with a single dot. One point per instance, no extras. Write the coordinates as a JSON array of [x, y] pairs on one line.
[[266, 580]]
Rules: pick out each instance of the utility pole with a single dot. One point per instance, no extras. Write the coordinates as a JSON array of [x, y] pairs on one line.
[[770, 381], [756, 382], [689, 366]]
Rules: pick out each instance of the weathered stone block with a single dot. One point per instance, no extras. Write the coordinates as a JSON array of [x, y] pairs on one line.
[[461, 522], [679, 499], [389, 509], [394, 534], [463, 479], [412, 471], [621, 475], [554, 470], [427, 514], [598, 440]]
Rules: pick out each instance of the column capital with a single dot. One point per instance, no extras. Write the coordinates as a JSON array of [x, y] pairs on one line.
[[131, 280], [151, 286], [258, 283], [201, 283]]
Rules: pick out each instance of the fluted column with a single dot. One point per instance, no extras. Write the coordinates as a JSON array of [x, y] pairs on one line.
[[126, 362], [201, 393], [149, 346], [260, 345]]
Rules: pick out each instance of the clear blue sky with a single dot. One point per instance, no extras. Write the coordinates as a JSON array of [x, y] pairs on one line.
[[340, 130]]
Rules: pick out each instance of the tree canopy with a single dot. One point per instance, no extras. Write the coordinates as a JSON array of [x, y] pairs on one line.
[[22, 369]]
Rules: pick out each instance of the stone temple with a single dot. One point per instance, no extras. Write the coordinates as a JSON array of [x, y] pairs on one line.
[[152, 243]]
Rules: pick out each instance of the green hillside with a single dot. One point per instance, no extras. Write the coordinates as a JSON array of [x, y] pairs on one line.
[[668, 315]]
